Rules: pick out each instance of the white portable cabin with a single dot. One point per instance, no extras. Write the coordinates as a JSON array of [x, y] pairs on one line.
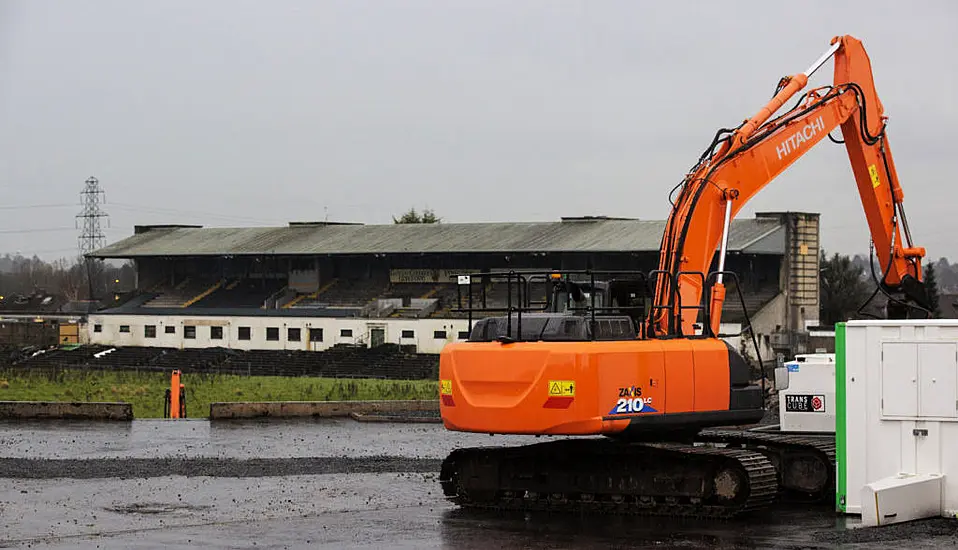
[[897, 419]]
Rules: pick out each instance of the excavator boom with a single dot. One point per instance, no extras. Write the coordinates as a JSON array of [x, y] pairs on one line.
[[751, 156]]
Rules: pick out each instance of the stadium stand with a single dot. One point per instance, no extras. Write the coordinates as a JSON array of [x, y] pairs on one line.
[[378, 278]]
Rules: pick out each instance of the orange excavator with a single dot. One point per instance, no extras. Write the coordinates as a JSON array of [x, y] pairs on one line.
[[653, 389]]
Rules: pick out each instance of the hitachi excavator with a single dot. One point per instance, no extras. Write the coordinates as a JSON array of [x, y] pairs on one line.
[[653, 390]]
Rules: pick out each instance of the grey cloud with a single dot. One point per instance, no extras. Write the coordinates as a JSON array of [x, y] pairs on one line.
[[280, 111]]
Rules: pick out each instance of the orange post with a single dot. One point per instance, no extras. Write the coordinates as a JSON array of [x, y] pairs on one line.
[[175, 394]]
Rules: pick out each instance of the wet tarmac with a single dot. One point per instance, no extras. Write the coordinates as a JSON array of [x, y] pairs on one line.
[[326, 484], [236, 439]]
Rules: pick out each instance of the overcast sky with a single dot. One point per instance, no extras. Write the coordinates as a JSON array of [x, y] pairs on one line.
[[238, 113]]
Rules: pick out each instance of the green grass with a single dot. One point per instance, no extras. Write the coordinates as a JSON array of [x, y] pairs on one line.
[[145, 390]]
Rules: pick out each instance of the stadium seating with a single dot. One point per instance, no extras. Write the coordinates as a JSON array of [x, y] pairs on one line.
[[179, 294], [344, 293], [240, 293], [411, 290]]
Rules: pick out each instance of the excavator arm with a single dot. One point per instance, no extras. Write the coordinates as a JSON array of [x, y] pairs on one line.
[[742, 161]]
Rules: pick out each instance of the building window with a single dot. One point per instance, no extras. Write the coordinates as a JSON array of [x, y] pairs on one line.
[[463, 334], [408, 334], [272, 334], [293, 334], [169, 329], [244, 333], [149, 331], [439, 334], [97, 328], [346, 333], [189, 332], [216, 333], [124, 328], [315, 335]]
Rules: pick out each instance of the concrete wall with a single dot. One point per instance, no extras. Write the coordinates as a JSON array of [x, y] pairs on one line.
[[423, 331], [766, 322]]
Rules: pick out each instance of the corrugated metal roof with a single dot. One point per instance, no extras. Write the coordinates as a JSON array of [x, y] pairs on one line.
[[566, 236]]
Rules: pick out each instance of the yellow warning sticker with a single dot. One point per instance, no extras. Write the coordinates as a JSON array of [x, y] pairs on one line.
[[445, 387], [561, 388], [873, 172]]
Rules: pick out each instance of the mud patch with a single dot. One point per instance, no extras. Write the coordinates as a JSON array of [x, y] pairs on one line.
[[155, 508]]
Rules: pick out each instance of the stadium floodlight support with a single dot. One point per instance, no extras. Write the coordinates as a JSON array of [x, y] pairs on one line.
[[89, 221]]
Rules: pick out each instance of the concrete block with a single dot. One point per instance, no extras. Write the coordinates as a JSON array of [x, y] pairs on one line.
[[395, 418], [65, 410]]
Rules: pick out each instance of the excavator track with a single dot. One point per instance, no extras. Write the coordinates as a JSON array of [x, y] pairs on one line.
[[610, 477], [805, 463]]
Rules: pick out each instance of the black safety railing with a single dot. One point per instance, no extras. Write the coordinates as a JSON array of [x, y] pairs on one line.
[[519, 301], [668, 307]]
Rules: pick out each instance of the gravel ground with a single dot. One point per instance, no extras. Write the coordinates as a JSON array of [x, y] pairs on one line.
[[332, 484], [931, 533], [128, 468], [273, 438]]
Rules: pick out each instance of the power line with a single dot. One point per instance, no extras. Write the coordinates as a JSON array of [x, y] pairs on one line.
[[27, 253], [38, 230], [35, 206], [159, 210], [149, 209]]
